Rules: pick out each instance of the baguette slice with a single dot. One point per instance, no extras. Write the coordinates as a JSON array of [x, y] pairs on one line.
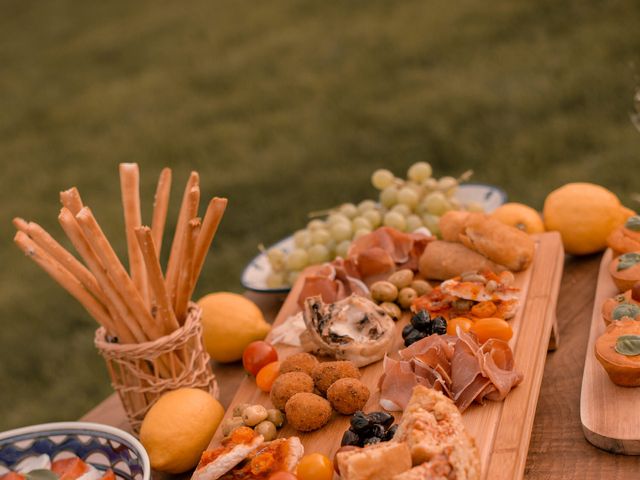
[[381, 461], [215, 462]]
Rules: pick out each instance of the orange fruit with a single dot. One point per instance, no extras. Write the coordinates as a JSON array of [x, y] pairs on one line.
[[520, 216], [584, 214]]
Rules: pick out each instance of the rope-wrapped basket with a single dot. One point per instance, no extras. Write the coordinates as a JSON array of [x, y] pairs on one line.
[[141, 372]]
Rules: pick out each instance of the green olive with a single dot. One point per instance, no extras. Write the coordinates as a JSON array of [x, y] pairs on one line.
[[238, 409], [406, 296], [253, 415], [267, 430], [422, 287], [401, 278], [276, 417], [230, 424], [391, 309], [384, 291]]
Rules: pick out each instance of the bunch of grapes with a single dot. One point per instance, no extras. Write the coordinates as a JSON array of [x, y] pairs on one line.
[[404, 204]]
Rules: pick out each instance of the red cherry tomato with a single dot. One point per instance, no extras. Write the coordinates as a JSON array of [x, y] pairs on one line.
[[257, 355], [283, 476], [315, 467], [486, 328], [267, 375]]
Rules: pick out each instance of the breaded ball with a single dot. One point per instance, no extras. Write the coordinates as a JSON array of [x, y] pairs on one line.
[[348, 395], [299, 362], [287, 385], [307, 411], [325, 374]]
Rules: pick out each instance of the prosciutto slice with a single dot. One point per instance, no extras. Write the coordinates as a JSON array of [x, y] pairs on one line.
[[460, 367]]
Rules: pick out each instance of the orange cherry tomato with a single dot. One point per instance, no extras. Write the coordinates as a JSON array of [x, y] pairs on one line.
[[463, 322], [257, 355], [283, 476], [315, 467], [267, 375], [484, 309], [486, 328]]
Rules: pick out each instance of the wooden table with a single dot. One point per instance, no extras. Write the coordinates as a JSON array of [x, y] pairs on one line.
[[558, 449]]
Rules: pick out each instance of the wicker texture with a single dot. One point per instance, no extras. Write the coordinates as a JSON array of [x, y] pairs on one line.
[[142, 372]]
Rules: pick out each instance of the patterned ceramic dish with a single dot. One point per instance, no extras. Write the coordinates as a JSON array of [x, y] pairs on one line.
[[254, 276], [102, 446]]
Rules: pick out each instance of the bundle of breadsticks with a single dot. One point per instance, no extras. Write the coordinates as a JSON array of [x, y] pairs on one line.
[[143, 303]]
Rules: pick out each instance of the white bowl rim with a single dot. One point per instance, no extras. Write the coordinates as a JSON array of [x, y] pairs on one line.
[[116, 432]]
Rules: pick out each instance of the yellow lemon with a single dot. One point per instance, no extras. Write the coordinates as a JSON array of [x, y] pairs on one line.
[[520, 216], [584, 214], [178, 427], [230, 323]]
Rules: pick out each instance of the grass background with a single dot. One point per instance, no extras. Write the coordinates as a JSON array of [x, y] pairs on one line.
[[285, 107]]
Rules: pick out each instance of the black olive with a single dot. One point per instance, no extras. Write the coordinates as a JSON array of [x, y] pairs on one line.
[[439, 325], [407, 330], [381, 418], [359, 422], [371, 441], [350, 438], [414, 337], [420, 321], [374, 430], [390, 433]]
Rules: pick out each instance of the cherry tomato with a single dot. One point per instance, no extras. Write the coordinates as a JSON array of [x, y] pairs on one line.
[[267, 375], [464, 323], [315, 467], [257, 355], [486, 328], [283, 476]]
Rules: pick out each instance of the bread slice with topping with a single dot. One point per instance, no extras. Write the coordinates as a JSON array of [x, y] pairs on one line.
[[215, 462], [376, 462]]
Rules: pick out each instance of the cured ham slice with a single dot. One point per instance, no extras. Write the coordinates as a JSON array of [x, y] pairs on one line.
[[460, 367]]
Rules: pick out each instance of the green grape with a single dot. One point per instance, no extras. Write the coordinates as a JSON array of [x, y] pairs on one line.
[[389, 196], [331, 246], [276, 259], [407, 196], [275, 280], [318, 254], [365, 206], [382, 178], [361, 222], [360, 232], [349, 210], [402, 209], [395, 220], [430, 184], [374, 217], [432, 222], [341, 231], [455, 203], [320, 236], [448, 185], [302, 238], [343, 248], [419, 171], [475, 207], [315, 224], [292, 277], [297, 259], [437, 203], [336, 217], [413, 223]]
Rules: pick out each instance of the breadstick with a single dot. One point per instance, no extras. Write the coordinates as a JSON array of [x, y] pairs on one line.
[[188, 210], [130, 189], [160, 207], [116, 306], [20, 224], [71, 199], [66, 280], [183, 293], [125, 287], [210, 224], [156, 280]]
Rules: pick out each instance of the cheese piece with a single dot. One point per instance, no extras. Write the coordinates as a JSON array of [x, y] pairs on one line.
[[377, 462]]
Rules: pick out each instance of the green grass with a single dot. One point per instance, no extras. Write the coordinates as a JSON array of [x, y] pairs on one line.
[[285, 107]]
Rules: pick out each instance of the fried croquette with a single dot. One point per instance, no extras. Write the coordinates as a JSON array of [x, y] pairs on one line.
[[299, 362], [287, 385], [325, 374], [348, 395], [307, 411]]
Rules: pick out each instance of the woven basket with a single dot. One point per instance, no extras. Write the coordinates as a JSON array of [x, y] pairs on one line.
[[142, 372]]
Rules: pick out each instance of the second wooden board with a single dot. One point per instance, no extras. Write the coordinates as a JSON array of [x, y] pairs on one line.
[[608, 412], [502, 429]]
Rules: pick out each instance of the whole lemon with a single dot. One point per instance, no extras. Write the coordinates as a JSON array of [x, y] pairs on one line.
[[178, 427], [584, 214], [230, 323], [520, 216]]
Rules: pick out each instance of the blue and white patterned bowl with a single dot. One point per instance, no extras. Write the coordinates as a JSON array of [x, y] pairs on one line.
[[102, 446]]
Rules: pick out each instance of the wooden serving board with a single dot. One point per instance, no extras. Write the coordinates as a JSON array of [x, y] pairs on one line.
[[502, 429], [608, 412]]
